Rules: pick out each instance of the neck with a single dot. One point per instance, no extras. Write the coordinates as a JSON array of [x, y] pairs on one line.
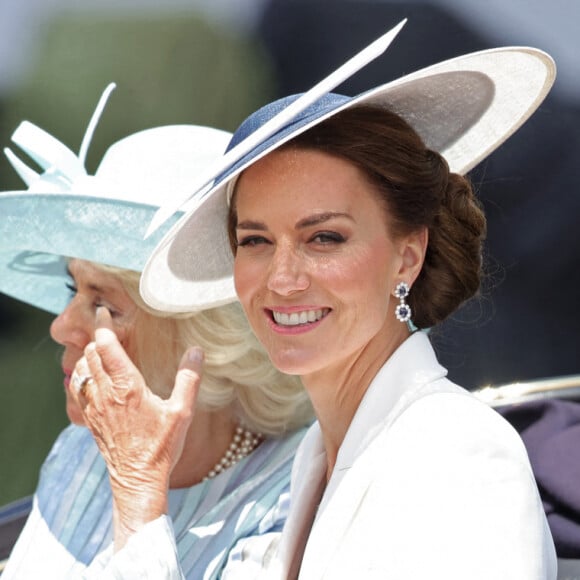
[[336, 392], [207, 440]]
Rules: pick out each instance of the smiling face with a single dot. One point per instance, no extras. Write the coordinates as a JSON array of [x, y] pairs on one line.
[[74, 327], [316, 265]]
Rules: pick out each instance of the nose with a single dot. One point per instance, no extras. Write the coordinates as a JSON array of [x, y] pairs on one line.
[[72, 327], [288, 271]]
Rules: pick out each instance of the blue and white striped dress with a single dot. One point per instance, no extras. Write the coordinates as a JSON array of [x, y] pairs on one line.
[[211, 527]]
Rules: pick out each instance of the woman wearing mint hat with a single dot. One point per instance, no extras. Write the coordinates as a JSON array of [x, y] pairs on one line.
[[73, 244], [351, 231]]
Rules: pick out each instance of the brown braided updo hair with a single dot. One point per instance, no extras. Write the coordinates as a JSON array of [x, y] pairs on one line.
[[418, 190]]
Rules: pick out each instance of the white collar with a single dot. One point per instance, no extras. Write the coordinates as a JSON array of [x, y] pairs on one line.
[[409, 368]]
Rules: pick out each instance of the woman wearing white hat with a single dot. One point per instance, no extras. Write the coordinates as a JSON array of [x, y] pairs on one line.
[[352, 231], [73, 243]]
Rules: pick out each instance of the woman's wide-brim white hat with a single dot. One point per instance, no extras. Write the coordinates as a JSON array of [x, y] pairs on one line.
[[103, 218], [464, 108]]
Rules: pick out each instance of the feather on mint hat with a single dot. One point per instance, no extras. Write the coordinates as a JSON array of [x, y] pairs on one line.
[[66, 213]]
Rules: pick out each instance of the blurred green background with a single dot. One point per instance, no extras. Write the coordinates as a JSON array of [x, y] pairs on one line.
[[31, 396], [169, 70]]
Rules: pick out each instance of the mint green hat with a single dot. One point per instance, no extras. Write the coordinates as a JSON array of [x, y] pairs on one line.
[[103, 218]]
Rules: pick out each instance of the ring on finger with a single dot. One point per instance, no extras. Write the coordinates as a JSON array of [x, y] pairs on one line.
[[80, 383]]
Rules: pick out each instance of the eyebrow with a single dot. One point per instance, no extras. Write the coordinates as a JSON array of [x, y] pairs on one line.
[[306, 222]]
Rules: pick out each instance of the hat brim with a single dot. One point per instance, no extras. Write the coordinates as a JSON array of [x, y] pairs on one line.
[[464, 108], [40, 231]]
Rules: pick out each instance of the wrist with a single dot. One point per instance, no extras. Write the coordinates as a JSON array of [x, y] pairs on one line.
[[134, 507]]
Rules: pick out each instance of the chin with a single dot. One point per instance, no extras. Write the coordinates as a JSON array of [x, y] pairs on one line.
[[74, 415], [293, 362]]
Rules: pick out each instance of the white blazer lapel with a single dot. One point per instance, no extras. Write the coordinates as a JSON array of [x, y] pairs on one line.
[[308, 478], [403, 379], [331, 524]]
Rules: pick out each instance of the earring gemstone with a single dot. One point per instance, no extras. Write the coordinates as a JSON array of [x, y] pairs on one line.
[[402, 290], [403, 310]]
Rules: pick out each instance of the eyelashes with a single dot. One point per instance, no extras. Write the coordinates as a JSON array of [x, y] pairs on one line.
[[96, 302], [252, 241], [323, 238], [329, 238]]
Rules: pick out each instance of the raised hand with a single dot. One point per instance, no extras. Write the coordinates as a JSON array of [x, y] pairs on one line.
[[140, 435]]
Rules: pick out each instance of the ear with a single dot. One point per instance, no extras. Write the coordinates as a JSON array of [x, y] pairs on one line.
[[413, 248]]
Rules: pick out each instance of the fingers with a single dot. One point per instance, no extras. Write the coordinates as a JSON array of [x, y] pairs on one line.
[[107, 362], [187, 379], [107, 354], [82, 381], [103, 319]]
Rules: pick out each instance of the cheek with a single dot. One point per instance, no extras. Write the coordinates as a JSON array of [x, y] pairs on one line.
[[127, 336], [377, 267], [364, 273], [245, 281], [249, 292]]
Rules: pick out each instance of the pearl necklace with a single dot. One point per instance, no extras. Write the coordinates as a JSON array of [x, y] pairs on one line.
[[243, 443]]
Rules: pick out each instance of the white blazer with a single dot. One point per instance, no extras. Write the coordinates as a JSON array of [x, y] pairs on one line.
[[429, 483]]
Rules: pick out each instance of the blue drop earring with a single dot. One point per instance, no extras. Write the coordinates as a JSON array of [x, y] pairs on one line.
[[403, 310]]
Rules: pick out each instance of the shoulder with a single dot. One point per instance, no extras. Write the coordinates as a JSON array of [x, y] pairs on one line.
[[73, 462], [448, 430], [451, 475], [454, 417], [451, 456], [72, 439], [73, 433]]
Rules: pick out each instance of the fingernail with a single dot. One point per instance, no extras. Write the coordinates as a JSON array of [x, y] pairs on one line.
[[101, 312], [195, 354]]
